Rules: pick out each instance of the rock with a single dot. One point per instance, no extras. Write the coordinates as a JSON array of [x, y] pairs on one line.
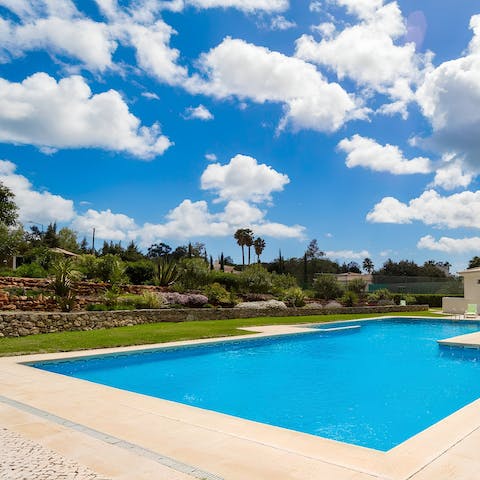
[[313, 305], [263, 305], [333, 304]]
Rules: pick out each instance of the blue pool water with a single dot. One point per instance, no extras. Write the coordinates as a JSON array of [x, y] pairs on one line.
[[374, 386]]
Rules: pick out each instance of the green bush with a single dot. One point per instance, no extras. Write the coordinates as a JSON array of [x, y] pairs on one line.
[[218, 295], [294, 297], [166, 272], [231, 281], [434, 300], [150, 300], [30, 270], [111, 269], [282, 282], [256, 279], [194, 273], [380, 295], [97, 307], [327, 287], [88, 266], [349, 298], [141, 272], [357, 286]]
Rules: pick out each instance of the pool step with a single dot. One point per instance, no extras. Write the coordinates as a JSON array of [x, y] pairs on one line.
[[338, 329]]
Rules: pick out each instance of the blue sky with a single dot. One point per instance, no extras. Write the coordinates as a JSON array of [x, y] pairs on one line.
[[351, 121]]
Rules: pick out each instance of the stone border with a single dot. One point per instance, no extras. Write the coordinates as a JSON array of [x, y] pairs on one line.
[[16, 324]]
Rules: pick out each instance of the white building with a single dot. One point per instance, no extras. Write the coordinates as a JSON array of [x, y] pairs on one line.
[[471, 293]]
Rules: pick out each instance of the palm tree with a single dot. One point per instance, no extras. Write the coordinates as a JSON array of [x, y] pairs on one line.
[[240, 237], [248, 242], [368, 265], [259, 246]]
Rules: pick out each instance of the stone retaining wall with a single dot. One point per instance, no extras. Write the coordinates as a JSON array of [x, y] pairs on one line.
[[13, 298], [15, 324]]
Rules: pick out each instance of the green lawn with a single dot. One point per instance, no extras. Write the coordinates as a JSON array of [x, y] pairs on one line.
[[160, 332]]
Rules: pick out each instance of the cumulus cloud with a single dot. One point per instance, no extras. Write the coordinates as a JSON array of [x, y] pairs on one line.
[[65, 114], [454, 211], [211, 157], [42, 207], [448, 97], [199, 113], [348, 254], [243, 178], [450, 245], [246, 71], [371, 52], [366, 152], [85, 40], [108, 225]]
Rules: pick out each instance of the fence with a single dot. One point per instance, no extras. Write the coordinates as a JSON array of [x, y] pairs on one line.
[[427, 285]]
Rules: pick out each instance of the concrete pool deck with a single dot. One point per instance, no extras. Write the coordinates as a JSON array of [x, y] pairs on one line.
[[122, 435]]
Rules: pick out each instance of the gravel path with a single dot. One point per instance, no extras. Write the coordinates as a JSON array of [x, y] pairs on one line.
[[22, 459]]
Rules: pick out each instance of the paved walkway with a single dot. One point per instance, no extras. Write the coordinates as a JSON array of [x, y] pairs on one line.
[[22, 459]]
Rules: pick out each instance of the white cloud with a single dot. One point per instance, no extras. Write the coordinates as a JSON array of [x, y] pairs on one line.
[[199, 113], [450, 245], [325, 29], [150, 95], [454, 211], [43, 112], [42, 207], [244, 5], [451, 175], [88, 41], [281, 23], [372, 52], [348, 254], [243, 179], [247, 71], [366, 152], [211, 157], [361, 8], [449, 97], [108, 225], [153, 51]]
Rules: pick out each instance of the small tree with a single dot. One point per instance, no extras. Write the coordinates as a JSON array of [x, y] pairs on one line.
[[327, 287], [8, 207]]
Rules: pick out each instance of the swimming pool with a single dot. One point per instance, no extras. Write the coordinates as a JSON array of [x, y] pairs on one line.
[[373, 386]]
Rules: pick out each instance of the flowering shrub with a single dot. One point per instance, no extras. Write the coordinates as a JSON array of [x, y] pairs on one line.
[[185, 299]]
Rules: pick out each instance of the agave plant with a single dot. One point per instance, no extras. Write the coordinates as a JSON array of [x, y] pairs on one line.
[[63, 282], [167, 273]]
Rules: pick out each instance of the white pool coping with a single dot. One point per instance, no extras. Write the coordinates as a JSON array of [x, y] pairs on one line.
[[124, 435]]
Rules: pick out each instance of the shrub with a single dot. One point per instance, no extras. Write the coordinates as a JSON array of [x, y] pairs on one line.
[[282, 282], [349, 298], [380, 296], [151, 300], [231, 281], [30, 270], [88, 266], [256, 279], [166, 273], [140, 272], [194, 273], [63, 282], [218, 295], [327, 287], [185, 299], [111, 269], [357, 286], [96, 307], [294, 297]]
